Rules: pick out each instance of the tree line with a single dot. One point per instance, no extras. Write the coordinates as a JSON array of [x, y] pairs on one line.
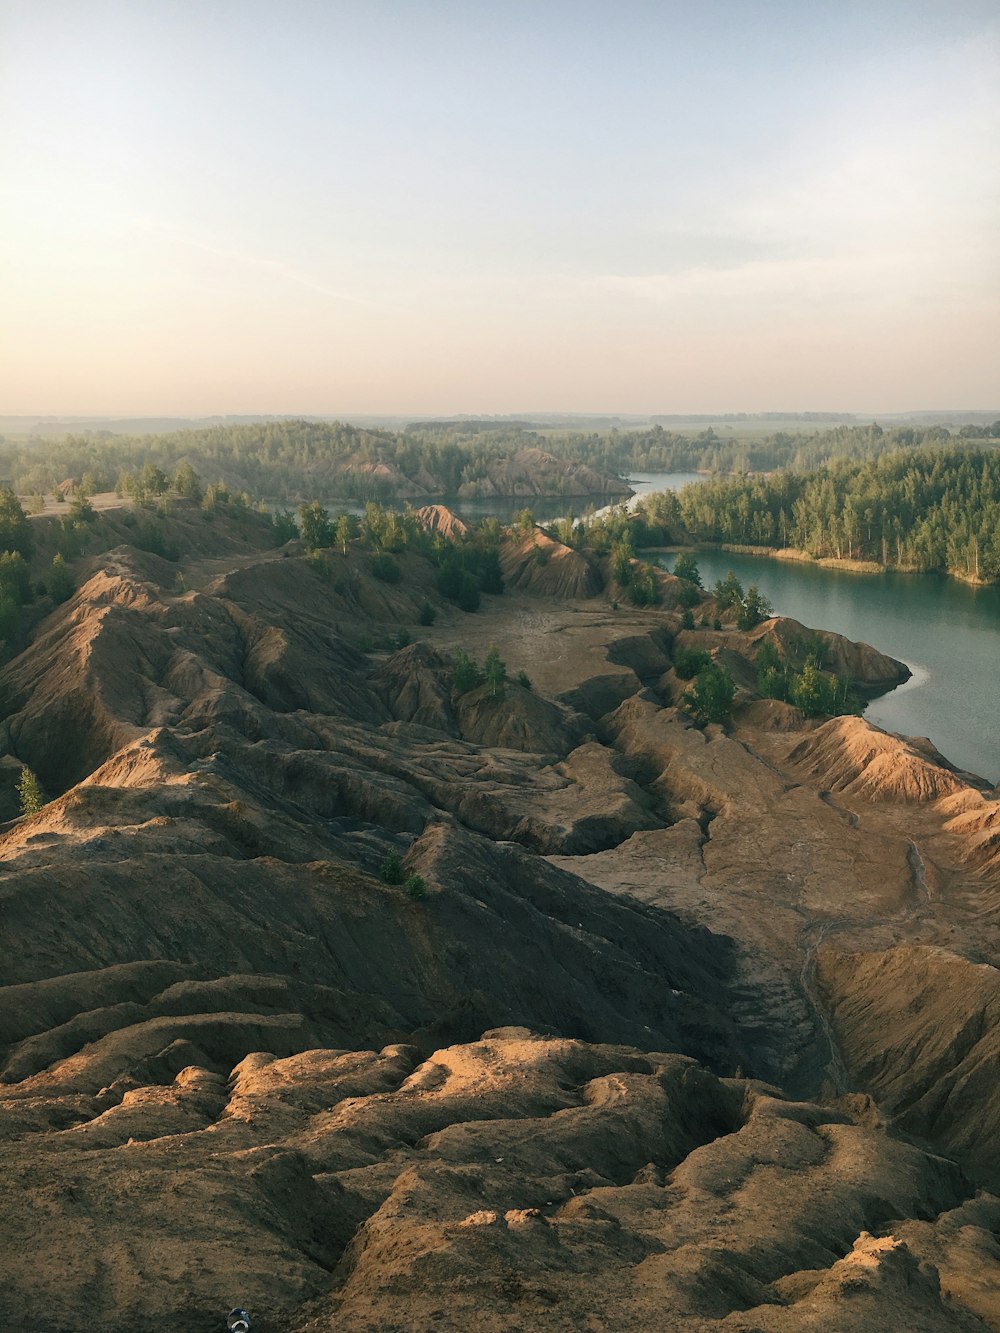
[[288, 460], [924, 510]]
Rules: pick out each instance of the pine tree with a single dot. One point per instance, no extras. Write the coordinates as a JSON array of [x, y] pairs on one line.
[[30, 792]]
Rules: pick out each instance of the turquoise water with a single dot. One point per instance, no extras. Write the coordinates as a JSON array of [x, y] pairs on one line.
[[945, 631]]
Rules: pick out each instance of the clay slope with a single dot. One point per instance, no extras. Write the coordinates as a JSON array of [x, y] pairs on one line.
[[850, 755], [511, 1182], [438, 518], [859, 662], [242, 1050], [919, 1026], [537, 564]]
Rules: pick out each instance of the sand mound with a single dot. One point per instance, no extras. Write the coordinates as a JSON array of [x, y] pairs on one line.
[[848, 754], [438, 518], [536, 564]]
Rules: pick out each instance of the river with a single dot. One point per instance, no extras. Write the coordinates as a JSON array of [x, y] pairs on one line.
[[946, 632]]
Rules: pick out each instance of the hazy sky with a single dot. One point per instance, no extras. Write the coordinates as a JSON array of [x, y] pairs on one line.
[[453, 206]]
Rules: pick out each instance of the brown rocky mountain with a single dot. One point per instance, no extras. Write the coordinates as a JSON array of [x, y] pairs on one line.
[[678, 1029]]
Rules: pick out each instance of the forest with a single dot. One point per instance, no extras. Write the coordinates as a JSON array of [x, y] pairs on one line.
[[293, 460], [922, 510]]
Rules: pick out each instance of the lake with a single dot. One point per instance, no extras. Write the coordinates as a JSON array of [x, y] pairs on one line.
[[946, 632], [546, 509]]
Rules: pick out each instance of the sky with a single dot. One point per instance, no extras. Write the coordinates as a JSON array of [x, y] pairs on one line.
[[452, 206]]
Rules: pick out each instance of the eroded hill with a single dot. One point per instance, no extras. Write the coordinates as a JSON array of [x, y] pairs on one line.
[[676, 1028]]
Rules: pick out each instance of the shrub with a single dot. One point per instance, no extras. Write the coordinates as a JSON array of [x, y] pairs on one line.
[[688, 595], [465, 672], [391, 870], [728, 592], [686, 567], [711, 697], [689, 661], [385, 568], [687, 620], [754, 609], [468, 593], [428, 614], [415, 888]]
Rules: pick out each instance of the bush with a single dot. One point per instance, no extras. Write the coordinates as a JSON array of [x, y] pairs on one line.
[[319, 565], [687, 620], [415, 888], [428, 614], [689, 661], [644, 590], [465, 672], [728, 592], [754, 609], [391, 870], [468, 593], [711, 698], [686, 567], [385, 568], [688, 595]]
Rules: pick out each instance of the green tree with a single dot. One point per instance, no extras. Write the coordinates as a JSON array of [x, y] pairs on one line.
[[754, 609], [814, 691], [315, 526], [15, 577], [345, 532], [61, 584], [465, 672], [770, 672], [81, 510], [494, 670], [152, 479], [385, 568], [15, 530], [622, 556], [688, 662], [688, 596], [415, 888], [686, 567], [711, 697], [284, 527], [728, 592], [186, 482], [30, 791]]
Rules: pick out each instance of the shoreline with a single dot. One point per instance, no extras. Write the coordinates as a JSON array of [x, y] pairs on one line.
[[848, 566]]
